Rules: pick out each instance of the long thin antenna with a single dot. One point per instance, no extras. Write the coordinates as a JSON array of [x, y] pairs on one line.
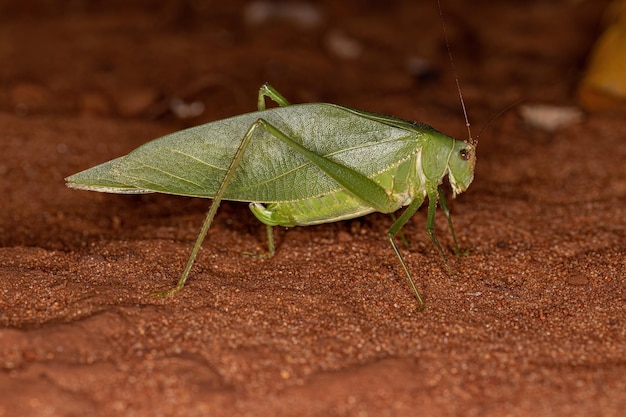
[[456, 76]]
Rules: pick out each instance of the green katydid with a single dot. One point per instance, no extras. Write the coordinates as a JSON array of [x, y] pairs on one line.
[[298, 165]]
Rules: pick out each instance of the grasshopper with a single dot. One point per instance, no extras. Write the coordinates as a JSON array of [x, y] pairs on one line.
[[298, 165]]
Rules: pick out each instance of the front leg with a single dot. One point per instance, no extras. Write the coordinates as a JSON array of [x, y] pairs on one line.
[[446, 211]]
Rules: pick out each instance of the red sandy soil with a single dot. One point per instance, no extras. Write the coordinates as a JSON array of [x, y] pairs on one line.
[[530, 323]]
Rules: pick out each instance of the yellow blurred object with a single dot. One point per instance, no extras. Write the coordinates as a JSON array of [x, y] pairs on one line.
[[604, 84]]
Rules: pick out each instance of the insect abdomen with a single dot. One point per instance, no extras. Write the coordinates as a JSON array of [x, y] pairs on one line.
[[339, 204]]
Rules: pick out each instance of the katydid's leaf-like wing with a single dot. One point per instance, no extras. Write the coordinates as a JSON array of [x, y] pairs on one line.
[[194, 161]]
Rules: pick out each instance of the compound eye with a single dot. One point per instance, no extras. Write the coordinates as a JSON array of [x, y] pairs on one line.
[[464, 154]]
